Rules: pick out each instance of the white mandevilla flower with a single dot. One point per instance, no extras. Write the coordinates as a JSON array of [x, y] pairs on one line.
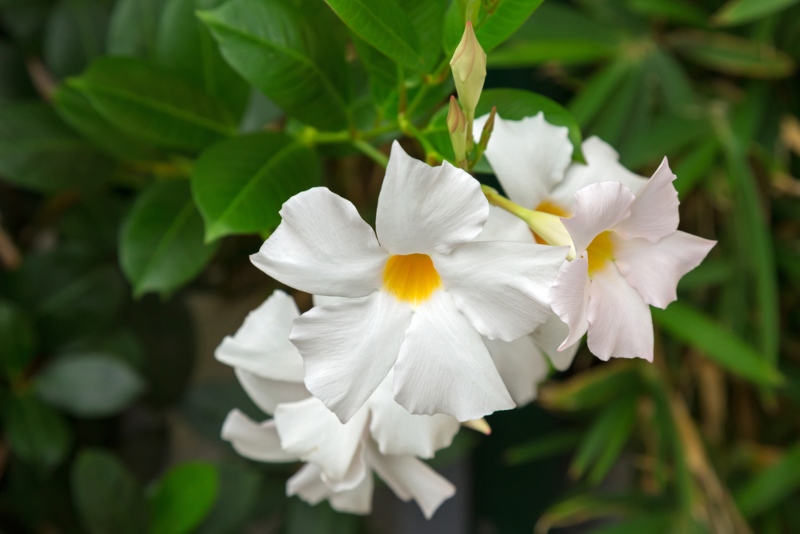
[[381, 436], [431, 292]]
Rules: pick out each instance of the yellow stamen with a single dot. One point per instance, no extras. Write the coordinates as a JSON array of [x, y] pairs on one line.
[[411, 278], [552, 208], [600, 251]]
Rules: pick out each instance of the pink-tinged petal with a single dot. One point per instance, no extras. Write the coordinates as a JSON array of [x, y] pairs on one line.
[[424, 209], [444, 366], [323, 246], [550, 336], [569, 298], [501, 287], [396, 431], [261, 345], [655, 269], [312, 433], [267, 393], [529, 156], [410, 478], [602, 165], [620, 325], [521, 366], [654, 213], [502, 226], [348, 348], [598, 207], [257, 441]]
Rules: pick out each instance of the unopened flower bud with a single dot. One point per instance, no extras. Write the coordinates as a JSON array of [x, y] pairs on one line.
[[469, 71], [457, 126]]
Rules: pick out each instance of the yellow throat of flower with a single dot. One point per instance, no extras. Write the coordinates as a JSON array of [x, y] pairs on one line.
[[552, 208], [600, 251], [411, 277]]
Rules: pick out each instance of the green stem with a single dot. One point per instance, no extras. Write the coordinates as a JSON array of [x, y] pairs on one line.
[[371, 152], [408, 128]]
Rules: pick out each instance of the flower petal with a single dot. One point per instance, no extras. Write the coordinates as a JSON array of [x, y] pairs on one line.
[[654, 213], [252, 440], [267, 393], [598, 207], [424, 209], [528, 156], [348, 348], [550, 336], [502, 226], [354, 501], [501, 287], [410, 478], [444, 366], [654, 269], [569, 298], [619, 320], [521, 365], [396, 431], [309, 431], [261, 345], [323, 246], [308, 485]]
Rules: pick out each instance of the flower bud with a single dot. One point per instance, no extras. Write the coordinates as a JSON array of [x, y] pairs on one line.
[[469, 71], [457, 126]]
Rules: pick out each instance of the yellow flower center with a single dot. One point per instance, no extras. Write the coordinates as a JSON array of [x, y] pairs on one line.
[[552, 208], [411, 277], [600, 251]]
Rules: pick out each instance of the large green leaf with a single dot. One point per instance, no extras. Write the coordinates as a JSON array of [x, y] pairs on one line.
[[426, 17], [161, 245], [607, 436], [769, 487], [133, 28], [297, 66], [35, 432], [183, 498], [238, 495], [493, 26], [17, 340], [740, 11], [75, 35], [239, 185], [154, 105]]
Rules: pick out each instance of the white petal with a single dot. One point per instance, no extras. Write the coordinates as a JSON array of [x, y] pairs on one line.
[[261, 345], [267, 393], [354, 501], [654, 213], [309, 431], [598, 207], [521, 365], [550, 336], [252, 440], [424, 209], [620, 325], [501, 287], [569, 298], [308, 485], [444, 366], [528, 156], [348, 348], [502, 226], [602, 165], [323, 246], [654, 269], [396, 431], [410, 478]]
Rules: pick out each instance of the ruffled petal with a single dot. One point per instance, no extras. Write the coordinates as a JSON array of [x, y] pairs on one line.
[[307, 484], [354, 501], [424, 209], [348, 348], [620, 325], [569, 298], [410, 478], [261, 345], [267, 393], [309, 431], [550, 336], [654, 269], [257, 441], [521, 366], [502, 226], [444, 366], [654, 213], [501, 287], [529, 156], [598, 207], [396, 431], [323, 246]]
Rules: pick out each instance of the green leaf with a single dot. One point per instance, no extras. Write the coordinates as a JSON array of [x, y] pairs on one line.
[[426, 18], [667, 135], [549, 445], [716, 343], [729, 54], [675, 10], [89, 385], [107, 497], [75, 35], [586, 506], [35, 432], [133, 28], [607, 436], [595, 94], [768, 488], [492, 27], [240, 185], [238, 495], [384, 25], [38, 152], [183, 498], [17, 340], [273, 47], [153, 105], [695, 166], [161, 244], [520, 54], [736, 12]]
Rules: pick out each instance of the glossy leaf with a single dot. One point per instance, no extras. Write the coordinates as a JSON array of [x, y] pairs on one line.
[[35, 432], [133, 28], [492, 27], [426, 18], [161, 245], [736, 12], [241, 184], [183, 498], [75, 35]]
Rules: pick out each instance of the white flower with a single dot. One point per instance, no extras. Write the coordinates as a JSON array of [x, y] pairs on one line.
[[381, 437], [431, 292]]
